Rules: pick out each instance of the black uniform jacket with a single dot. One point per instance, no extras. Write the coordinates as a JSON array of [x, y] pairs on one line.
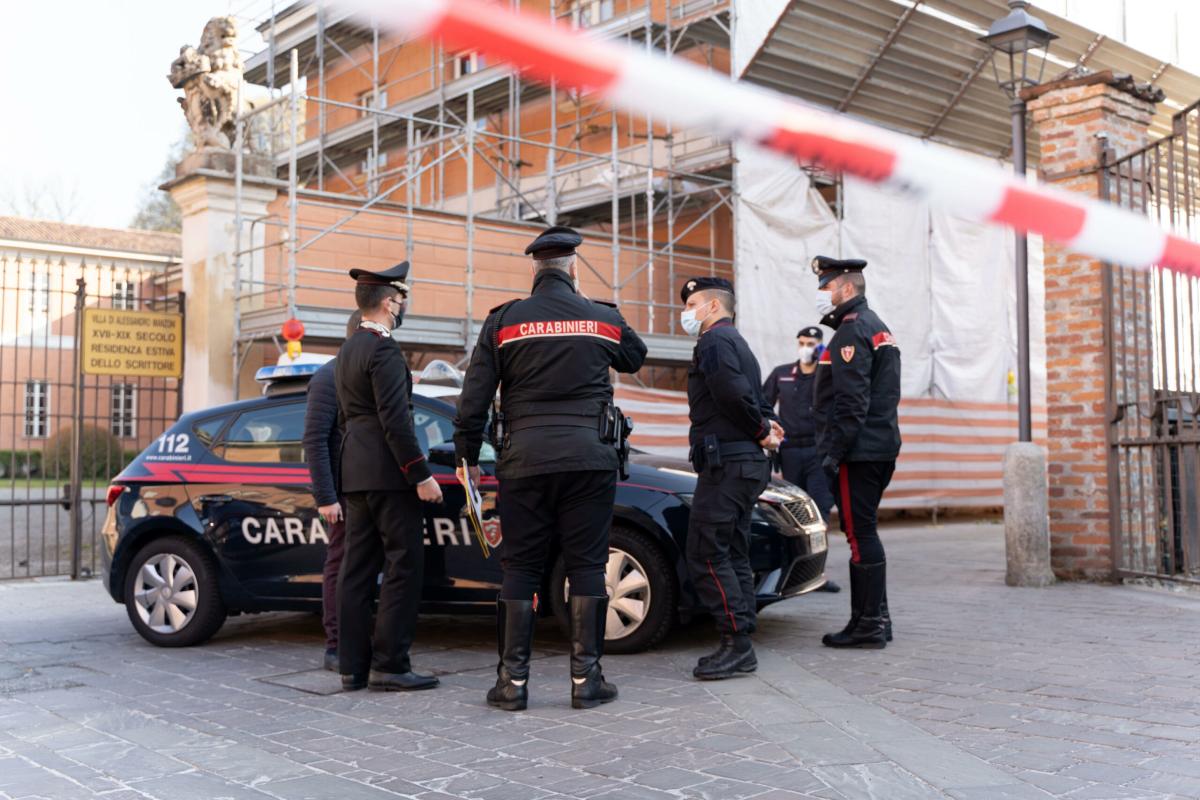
[[323, 435], [857, 388], [555, 349], [724, 386], [793, 390], [380, 451]]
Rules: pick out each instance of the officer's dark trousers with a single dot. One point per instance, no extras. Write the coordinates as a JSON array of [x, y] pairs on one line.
[[384, 531], [718, 541], [860, 486], [329, 579], [802, 466], [577, 507]]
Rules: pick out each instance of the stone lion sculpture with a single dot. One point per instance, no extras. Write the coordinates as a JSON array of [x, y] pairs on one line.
[[210, 77]]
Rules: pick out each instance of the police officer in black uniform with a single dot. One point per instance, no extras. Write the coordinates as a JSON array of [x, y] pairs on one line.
[[857, 394], [731, 423], [791, 386], [384, 479], [550, 356]]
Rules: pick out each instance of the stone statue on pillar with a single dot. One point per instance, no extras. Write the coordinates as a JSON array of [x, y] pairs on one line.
[[211, 79]]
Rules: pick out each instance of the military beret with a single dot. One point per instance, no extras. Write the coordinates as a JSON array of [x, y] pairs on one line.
[[826, 268], [694, 285], [394, 277], [812, 332], [554, 242]]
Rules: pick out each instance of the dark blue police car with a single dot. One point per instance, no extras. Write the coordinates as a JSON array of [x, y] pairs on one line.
[[216, 518]]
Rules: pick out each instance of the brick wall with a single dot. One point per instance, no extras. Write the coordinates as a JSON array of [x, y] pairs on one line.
[[1070, 121]]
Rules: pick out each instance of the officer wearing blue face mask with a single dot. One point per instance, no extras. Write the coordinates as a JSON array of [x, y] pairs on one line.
[[790, 386], [731, 424]]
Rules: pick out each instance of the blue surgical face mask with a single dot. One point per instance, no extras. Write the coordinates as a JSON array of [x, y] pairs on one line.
[[689, 323], [823, 300]]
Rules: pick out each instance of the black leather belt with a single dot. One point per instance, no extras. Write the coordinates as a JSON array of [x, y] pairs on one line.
[[553, 420]]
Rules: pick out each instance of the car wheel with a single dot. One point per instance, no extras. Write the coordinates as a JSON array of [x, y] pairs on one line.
[[641, 590], [171, 593]]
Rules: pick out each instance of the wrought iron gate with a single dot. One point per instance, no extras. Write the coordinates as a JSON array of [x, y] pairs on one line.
[[1152, 345], [42, 395]]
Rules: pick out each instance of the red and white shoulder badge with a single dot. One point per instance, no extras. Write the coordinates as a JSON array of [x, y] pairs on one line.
[[848, 353]]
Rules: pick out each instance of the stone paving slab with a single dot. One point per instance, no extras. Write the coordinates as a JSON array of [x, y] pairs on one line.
[[1074, 691]]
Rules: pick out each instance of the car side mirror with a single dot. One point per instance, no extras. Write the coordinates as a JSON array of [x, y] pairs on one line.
[[442, 455]]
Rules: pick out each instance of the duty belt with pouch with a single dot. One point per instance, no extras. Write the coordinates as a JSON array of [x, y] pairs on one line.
[[711, 452], [612, 427]]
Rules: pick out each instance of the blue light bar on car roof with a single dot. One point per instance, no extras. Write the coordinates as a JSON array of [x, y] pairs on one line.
[[285, 371]]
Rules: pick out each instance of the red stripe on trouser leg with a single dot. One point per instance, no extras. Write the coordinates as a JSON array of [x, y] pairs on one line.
[[724, 600], [532, 44], [847, 512]]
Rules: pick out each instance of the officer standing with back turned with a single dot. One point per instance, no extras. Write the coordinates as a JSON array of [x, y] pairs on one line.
[[559, 437], [857, 394], [384, 479], [731, 423]]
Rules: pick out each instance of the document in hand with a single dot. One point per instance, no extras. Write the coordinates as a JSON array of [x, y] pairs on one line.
[[474, 508]]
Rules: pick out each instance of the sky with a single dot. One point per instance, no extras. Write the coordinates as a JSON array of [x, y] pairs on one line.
[[85, 105], [86, 111]]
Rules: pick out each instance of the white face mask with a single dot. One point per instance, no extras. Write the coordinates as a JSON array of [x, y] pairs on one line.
[[824, 301], [807, 353]]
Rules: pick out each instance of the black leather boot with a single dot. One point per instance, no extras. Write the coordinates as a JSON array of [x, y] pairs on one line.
[[887, 617], [514, 639], [856, 597], [736, 659], [725, 643], [588, 687], [866, 629]]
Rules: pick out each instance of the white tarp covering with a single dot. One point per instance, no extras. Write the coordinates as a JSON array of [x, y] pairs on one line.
[[754, 22], [944, 285]]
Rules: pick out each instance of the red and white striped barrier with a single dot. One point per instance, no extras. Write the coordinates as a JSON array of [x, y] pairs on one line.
[[690, 96]]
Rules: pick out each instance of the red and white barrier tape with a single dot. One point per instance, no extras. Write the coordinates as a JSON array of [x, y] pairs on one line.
[[690, 96]]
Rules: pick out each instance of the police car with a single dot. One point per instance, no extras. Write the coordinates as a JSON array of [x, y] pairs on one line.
[[215, 518]]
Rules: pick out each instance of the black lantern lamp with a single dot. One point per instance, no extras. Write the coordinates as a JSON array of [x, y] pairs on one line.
[[1015, 40]]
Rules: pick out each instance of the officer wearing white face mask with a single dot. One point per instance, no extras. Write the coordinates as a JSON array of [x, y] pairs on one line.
[[791, 387], [731, 424]]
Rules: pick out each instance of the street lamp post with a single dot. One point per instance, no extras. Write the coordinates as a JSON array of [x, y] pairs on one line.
[[1016, 41]]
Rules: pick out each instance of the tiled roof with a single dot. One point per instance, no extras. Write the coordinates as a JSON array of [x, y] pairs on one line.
[[132, 241]]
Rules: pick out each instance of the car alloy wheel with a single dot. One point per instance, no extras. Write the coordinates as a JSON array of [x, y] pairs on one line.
[[166, 593], [628, 589]]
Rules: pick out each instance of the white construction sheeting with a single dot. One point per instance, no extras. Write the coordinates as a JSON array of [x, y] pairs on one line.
[[944, 285]]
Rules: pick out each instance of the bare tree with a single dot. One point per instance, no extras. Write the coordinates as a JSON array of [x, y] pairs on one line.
[[48, 199], [156, 210]]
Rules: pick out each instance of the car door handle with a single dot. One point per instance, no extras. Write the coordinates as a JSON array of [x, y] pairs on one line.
[[215, 499]]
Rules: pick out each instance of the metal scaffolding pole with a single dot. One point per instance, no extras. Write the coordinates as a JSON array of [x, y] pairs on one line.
[[294, 106], [470, 315], [321, 96]]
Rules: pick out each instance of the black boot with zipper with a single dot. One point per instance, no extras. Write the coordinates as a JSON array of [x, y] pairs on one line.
[[866, 629], [588, 687], [515, 621]]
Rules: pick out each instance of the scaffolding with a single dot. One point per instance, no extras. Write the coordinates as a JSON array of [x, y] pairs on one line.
[[402, 150]]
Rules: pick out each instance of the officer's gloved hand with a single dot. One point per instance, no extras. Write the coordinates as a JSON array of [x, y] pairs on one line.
[[829, 466]]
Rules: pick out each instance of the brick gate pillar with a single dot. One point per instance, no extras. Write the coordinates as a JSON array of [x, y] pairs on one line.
[[1074, 119]]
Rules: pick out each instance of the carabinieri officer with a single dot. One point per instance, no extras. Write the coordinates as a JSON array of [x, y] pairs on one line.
[[791, 385], [384, 479], [731, 424], [857, 395], [550, 355]]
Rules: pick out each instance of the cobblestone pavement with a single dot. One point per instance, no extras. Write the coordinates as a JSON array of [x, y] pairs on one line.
[[1078, 691]]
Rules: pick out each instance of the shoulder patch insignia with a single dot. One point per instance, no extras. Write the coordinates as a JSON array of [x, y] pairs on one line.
[[848, 353]]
